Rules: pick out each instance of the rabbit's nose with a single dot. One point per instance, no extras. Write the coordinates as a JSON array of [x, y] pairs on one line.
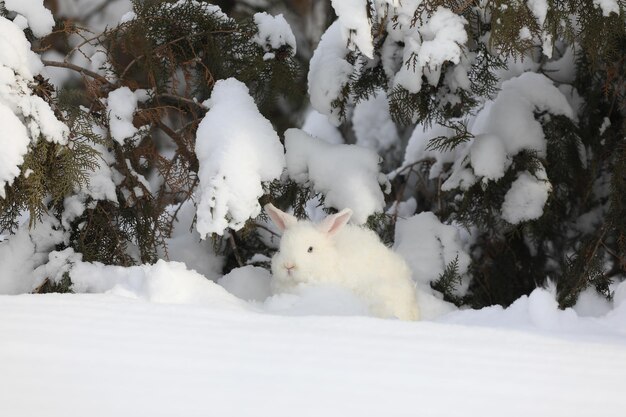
[[289, 266]]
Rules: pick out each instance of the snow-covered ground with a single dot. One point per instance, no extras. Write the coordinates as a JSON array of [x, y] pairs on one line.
[[147, 350]]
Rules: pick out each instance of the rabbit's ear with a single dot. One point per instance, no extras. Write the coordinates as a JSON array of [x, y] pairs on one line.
[[281, 219], [333, 223]]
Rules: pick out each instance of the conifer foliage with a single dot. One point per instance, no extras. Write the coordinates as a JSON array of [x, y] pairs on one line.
[[506, 120]]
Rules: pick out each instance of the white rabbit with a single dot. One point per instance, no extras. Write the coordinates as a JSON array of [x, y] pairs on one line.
[[334, 252]]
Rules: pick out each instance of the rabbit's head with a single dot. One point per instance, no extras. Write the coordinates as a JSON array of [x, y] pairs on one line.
[[307, 251]]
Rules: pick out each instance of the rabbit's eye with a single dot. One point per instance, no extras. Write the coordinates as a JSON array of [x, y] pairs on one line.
[[310, 249]]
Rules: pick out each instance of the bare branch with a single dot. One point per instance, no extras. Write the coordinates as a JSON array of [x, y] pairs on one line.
[[77, 68]]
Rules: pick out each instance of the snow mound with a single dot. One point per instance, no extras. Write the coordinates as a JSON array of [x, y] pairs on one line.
[[249, 283], [318, 300], [539, 312], [163, 282], [347, 175], [237, 150]]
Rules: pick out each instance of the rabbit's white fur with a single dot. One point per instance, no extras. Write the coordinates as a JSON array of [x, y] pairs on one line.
[[344, 255]]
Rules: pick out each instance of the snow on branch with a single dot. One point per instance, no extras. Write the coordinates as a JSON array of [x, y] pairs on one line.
[[25, 116], [237, 150], [347, 175]]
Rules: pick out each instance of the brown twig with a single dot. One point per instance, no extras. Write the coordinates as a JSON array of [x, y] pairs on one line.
[[77, 68], [233, 246], [184, 100], [182, 147]]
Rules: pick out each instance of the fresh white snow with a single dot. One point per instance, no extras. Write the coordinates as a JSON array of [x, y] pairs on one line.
[[355, 25], [526, 197], [39, 18], [347, 175], [121, 106], [329, 72], [106, 355], [238, 150], [14, 143], [274, 32], [429, 246]]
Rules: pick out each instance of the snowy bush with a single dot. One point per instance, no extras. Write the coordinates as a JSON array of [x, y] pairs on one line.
[[483, 141]]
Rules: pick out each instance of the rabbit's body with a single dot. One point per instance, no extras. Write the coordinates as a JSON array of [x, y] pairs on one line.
[[352, 257]]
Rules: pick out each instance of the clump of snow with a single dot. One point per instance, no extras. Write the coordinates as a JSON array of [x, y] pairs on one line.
[[128, 17], [39, 18], [18, 104], [15, 52], [329, 72], [347, 175], [18, 260], [526, 197], [606, 123], [539, 9], [101, 185], [163, 282], [488, 157], [355, 24], [14, 143], [28, 257], [238, 150], [121, 106], [274, 32], [100, 64], [403, 209], [502, 129], [249, 283], [511, 116], [209, 9], [101, 179], [524, 33], [429, 246], [372, 123], [442, 36], [317, 125], [439, 41], [58, 263], [607, 6]]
